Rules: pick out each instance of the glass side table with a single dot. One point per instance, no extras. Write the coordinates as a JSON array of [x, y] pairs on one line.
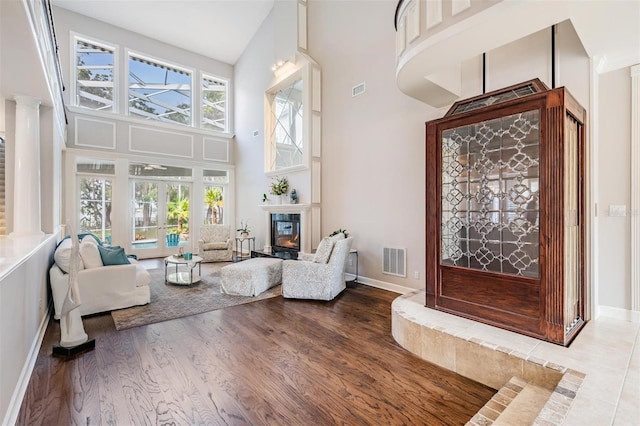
[[352, 283], [183, 277], [251, 245]]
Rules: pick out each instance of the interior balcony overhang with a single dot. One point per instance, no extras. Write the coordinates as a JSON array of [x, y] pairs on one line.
[[22, 72], [429, 67]]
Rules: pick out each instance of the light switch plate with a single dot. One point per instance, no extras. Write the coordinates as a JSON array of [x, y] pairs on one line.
[[617, 210]]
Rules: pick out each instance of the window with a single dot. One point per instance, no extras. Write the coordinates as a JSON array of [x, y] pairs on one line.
[[95, 75], [159, 91], [287, 132], [155, 89], [286, 124], [96, 195], [154, 170], [214, 104], [215, 184]]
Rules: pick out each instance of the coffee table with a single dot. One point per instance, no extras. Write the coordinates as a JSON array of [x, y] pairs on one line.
[[186, 276]]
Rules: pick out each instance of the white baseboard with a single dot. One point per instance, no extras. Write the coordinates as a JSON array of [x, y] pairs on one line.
[[382, 284], [618, 313], [23, 381]]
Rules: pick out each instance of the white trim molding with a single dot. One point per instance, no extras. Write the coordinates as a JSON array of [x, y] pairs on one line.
[[433, 12], [78, 142], [413, 21], [459, 6], [635, 188], [176, 145], [208, 145], [619, 314], [395, 288], [401, 36], [592, 285], [25, 375]]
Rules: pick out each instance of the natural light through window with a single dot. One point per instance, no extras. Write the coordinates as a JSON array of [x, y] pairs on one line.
[[94, 75], [159, 91], [110, 78], [95, 185], [214, 104], [214, 190]]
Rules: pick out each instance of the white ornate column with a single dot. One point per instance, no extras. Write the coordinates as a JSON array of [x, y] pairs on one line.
[[26, 186], [635, 187]]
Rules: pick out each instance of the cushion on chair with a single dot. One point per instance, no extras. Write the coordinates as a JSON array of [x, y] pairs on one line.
[[215, 246], [113, 256], [323, 252], [62, 256], [90, 254], [338, 237]]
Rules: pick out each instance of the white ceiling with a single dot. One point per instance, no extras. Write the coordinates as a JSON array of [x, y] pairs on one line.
[[219, 29]]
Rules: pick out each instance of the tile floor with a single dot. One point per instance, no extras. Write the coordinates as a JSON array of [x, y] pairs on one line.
[[607, 351]]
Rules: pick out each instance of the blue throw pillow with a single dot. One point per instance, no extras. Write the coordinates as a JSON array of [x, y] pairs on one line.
[[113, 256]]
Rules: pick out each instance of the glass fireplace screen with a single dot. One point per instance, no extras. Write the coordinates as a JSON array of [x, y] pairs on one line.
[[285, 232], [490, 210]]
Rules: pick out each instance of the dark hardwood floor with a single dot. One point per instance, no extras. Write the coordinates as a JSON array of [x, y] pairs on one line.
[[278, 361]]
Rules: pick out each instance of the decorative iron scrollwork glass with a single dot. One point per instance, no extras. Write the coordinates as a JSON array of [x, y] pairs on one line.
[[496, 98], [490, 195]]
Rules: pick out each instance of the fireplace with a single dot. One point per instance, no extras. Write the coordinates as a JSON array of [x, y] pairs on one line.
[[285, 233], [302, 215]]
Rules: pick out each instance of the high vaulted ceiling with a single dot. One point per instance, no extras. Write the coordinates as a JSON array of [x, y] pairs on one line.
[[219, 29]]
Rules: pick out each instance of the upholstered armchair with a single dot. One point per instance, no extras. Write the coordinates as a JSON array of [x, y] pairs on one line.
[[321, 278], [215, 243]]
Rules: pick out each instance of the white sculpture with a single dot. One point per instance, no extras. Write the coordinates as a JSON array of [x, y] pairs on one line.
[[72, 331]]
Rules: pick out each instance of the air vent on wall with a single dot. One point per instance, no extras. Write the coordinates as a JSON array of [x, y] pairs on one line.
[[358, 89], [394, 261]]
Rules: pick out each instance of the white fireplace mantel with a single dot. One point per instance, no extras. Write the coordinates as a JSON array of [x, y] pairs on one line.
[[305, 228]]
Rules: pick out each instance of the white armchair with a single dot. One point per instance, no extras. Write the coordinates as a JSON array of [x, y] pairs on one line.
[[317, 279], [215, 243]]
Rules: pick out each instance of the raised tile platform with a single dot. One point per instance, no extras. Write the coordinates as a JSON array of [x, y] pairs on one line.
[[594, 381]]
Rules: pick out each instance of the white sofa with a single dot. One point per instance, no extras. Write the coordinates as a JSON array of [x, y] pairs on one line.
[[102, 288]]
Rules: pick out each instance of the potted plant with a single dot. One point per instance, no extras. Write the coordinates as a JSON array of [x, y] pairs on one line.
[[340, 231], [265, 199], [244, 229], [279, 187]]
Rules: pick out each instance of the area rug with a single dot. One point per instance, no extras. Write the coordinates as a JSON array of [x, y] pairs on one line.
[[170, 301]]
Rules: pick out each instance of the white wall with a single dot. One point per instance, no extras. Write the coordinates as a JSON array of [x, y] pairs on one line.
[[50, 172], [24, 307], [275, 40], [614, 184], [530, 58], [373, 148], [252, 75]]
